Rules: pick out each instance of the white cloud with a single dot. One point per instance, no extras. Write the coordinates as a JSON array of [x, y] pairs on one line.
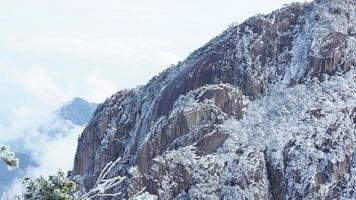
[[55, 153], [38, 83], [21, 122], [97, 87], [16, 188], [51, 152], [38, 95], [52, 51]]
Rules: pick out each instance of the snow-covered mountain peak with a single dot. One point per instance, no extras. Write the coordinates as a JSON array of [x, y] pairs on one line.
[[265, 110]]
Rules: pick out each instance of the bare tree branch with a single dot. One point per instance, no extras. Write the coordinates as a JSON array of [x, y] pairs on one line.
[[103, 183]]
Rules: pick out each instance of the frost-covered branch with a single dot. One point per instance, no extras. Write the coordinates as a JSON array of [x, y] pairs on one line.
[[103, 183], [55, 187], [8, 157], [60, 187]]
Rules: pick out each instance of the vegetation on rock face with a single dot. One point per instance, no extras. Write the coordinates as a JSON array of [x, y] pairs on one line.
[[190, 137]]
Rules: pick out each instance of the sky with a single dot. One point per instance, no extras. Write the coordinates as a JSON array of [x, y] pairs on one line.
[[53, 51]]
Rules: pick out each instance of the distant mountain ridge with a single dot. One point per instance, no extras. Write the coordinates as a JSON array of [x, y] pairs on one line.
[[77, 112]]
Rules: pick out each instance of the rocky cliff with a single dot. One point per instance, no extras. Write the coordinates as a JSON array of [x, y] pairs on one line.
[[266, 110]]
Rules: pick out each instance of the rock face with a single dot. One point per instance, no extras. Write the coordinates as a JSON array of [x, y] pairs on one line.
[[266, 110]]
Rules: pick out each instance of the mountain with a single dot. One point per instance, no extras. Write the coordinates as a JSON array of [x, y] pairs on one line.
[[75, 113], [66, 119], [78, 111], [266, 110]]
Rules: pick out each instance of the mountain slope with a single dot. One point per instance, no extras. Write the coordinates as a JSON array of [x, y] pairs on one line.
[[266, 110]]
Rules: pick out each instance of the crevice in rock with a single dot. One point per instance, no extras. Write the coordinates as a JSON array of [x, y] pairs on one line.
[[275, 178]]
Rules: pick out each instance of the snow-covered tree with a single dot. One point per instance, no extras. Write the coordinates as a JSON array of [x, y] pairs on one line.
[[59, 187], [56, 187], [8, 157]]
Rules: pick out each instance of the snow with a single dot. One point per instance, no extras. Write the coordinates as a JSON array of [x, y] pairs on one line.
[[8, 157], [315, 31], [296, 123], [145, 196], [271, 122]]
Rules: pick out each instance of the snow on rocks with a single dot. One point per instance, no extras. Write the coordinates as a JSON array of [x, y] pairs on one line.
[[266, 110]]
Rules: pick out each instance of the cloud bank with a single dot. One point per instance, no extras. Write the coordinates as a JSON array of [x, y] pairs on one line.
[[32, 126]]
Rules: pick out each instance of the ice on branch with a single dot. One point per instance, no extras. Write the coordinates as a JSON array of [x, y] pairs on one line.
[[103, 183], [8, 157]]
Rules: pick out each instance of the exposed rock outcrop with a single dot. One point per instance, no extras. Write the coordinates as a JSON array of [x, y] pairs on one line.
[[266, 110]]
